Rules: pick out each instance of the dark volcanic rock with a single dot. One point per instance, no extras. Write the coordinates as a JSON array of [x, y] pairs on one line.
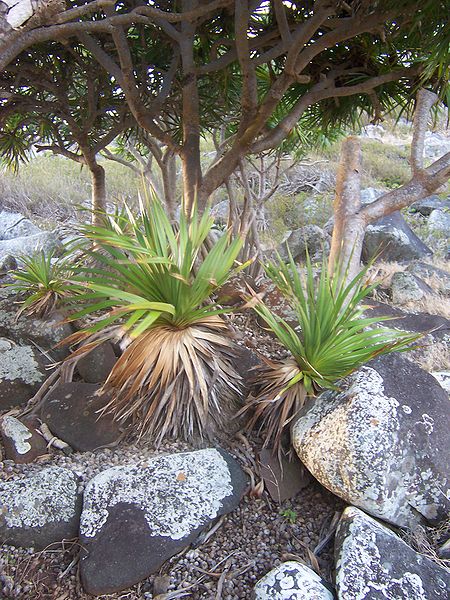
[[70, 411], [383, 442], [136, 517], [282, 479], [38, 510], [373, 563], [391, 239], [440, 278], [309, 239], [96, 366], [426, 206], [292, 581], [406, 287], [22, 371], [23, 444]]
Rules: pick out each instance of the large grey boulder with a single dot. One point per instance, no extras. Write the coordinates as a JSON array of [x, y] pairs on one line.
[[391, 239], [40, 509], [292, 581], [383, 442], [14, 225], [406, 287], [373, 563], [22, 372], [309, 239], [439, 222], [136, 517], [46, 241]]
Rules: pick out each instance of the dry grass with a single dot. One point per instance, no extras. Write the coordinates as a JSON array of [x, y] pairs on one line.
[[427, 541]]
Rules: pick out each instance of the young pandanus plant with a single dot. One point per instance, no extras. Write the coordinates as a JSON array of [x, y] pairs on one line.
[[332, 338], [176, 377]]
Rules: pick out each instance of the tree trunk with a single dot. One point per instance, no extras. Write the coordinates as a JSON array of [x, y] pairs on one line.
[[169, 179], [349, 226], [98, 193]]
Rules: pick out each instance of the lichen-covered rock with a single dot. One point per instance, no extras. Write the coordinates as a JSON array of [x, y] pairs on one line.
[[444, 379], [309, 239], [30, 244], [14, 225], [292, 581], [383, 442], [71, 412], [438, 278], [22, 442], [406, 287], [40, 509], [96, 366], [46, 333], [7, 263], [391, 239], [22, 371], [136, 517], [439, 221], [373, 563]]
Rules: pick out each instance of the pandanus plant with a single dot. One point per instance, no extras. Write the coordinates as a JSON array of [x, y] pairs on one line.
[[153, 283], [332, 339]]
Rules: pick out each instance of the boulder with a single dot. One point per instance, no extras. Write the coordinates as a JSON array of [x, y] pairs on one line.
[[220, 212], [368, 195], [439, 222], [70, 411], [426, 206], [440, 278], [29, 245], [292, 581], [46, 333], [436, 144], [96, 366], [136, 517], [311, 239], [7, 263], [22, 371], [373, 563], [406, 287], [14, 225], [391, 239], [40, 509], [22, 442], [382, 443]]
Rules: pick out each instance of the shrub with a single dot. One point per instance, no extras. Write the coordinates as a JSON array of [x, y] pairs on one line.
[[332, 339], [44, 280], [175, 377]]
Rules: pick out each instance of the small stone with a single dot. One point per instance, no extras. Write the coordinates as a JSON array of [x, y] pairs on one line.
[[40, 509], [372, 563], [282, 481], [71, 413], [161, 584], [292, 581], [97, 365], [23, 444]]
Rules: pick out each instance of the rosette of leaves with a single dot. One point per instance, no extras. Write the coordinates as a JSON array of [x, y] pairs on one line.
[[43, 280], [153, 287], [332, 339]]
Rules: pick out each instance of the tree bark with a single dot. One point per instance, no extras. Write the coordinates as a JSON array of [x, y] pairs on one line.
[[348, 230], [98, 193]]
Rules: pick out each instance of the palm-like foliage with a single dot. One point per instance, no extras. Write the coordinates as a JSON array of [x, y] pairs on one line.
[[44, 280], [333, 338], [175, 376]]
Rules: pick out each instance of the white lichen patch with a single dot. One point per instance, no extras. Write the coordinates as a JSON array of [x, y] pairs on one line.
[[18, 433], [45, 497], [19, 363], [177, 493], [372, 562], [291, 581]]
